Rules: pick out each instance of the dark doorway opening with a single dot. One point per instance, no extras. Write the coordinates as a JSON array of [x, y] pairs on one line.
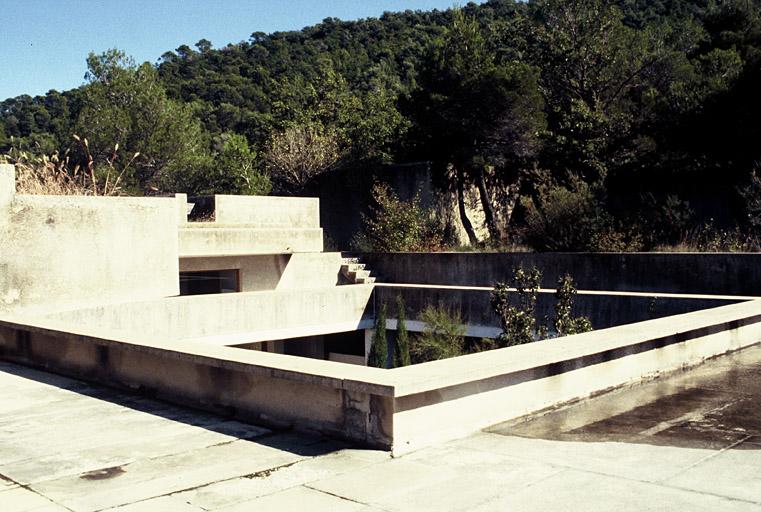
[[209, 281]]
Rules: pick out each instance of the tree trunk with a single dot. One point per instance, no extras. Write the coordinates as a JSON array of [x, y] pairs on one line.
[[461, 206], [513, 193], [489, 216]]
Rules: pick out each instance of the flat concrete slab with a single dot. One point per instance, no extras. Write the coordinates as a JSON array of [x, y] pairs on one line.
[[691, 441]]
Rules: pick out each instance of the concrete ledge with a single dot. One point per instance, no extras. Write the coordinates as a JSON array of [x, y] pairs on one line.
[[603, 308], [447, 399], [169, 320], [197, 242], [401, 409], [268, 211]]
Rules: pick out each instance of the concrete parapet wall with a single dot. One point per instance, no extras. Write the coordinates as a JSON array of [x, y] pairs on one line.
[[214, 241], [451, 398], [299, 312], [68, 252], [340, 400], [268, 211], [401, 409], [604, 309], [696, 273]]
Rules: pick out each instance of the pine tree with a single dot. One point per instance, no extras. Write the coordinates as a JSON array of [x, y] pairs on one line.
[[378, 346], [402, 344]]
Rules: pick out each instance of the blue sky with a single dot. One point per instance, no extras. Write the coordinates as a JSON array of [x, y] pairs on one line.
[[44, 43]]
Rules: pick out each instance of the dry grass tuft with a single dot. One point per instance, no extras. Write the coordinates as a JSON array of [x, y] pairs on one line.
[[57, 175]]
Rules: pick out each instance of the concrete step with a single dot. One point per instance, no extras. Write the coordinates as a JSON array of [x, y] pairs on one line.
[[352, 267], [365, 280], [359, 274]]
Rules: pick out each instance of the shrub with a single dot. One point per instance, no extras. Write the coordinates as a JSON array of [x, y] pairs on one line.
[[517, 319], [379, 345], [517, 309], [443, 336], [565, 322], [573, 219], [397, 226]]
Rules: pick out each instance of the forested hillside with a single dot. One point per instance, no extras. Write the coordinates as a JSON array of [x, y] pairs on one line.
[[578, 124]]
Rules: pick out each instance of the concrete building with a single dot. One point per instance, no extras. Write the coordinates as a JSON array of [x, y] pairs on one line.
[[127, 292]]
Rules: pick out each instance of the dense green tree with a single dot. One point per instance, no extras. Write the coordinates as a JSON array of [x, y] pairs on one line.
[[653, 103], [126, 106], [479, 117]]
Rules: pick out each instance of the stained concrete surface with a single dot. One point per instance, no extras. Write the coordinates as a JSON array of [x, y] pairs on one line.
[[691, 441]]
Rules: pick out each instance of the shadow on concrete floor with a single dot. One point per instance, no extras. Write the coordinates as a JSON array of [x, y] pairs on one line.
[[298, 443]]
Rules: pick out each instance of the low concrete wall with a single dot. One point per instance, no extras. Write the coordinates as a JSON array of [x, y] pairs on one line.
[[401, 409], [604, 309], [68, 252], [339, 400], [703, 273], [208, 240], [451, 398], [231, 318], [267, 211]]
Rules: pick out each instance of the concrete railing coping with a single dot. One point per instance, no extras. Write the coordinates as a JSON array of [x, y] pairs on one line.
[[326, 373], [423, 377], [451, 372]]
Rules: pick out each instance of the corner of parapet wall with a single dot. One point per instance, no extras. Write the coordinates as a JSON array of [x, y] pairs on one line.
[[7, 184]]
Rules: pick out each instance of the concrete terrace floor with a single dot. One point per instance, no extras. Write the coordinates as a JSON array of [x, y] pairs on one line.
[[691, 441]]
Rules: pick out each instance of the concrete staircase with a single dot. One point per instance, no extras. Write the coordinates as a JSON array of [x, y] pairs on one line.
[[354, 272]]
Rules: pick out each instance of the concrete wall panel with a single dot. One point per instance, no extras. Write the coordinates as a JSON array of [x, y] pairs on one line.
[[267, 211], [697, 273], [67, 252]]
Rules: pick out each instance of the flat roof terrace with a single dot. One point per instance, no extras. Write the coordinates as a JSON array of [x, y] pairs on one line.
[[691, 441]]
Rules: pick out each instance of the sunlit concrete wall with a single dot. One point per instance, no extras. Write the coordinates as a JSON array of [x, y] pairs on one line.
[[446, 399], [267, 211], [401, 409], [67, 252], [274, 271], [340, 400], [232, 318]]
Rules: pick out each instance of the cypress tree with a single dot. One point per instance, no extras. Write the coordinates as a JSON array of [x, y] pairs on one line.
[[402, 345], [378, 346]]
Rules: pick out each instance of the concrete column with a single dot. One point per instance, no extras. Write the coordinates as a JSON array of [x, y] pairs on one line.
[[182, 208], [7, 184]]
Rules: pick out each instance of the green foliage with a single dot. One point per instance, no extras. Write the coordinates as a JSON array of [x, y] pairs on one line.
[[573, 218], [402, 344], [565, 322], [515, 305], [398, 226], [378, 355], [651, 103], [233, 169], [126, 106], [517, 317], [443, 336]]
